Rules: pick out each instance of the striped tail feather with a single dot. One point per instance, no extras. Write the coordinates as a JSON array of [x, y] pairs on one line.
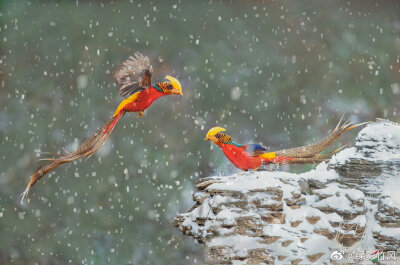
[[317, 158], [312, 150], [86, 149]]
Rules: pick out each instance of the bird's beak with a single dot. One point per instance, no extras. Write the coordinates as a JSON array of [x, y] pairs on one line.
[[176, 92], [206, 139]]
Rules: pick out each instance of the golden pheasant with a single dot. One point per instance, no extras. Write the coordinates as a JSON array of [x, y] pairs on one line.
[[134, 83], [252, 156]]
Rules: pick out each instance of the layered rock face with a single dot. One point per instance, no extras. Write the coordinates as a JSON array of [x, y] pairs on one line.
[[348, 207]]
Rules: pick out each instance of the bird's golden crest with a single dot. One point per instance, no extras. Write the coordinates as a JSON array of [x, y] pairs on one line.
[[175, 83], [213, 131]]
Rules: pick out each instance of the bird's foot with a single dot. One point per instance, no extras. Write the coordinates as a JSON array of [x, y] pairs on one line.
[[140, 114], [244, 173]]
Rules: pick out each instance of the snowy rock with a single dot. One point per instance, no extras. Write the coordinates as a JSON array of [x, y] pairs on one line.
[[351, 203]]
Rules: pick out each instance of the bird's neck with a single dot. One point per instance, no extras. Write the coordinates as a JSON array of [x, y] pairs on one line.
[[162, 86], [223, 144], [156, 92]]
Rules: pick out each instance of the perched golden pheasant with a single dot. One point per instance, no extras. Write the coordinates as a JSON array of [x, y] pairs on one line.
[[252, 156], [134, 80]]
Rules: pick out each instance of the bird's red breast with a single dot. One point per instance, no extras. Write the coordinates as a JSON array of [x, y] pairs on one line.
[[239, 157], [144, 100], [140, 100]]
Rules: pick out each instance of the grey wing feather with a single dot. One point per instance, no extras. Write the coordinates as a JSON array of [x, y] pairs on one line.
[[133, 75]]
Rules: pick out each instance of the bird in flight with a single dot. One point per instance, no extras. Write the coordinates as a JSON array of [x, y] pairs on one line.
[[133, 77], [252, 156]]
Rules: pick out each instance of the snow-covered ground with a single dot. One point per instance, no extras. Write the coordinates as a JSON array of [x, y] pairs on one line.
[[349, 205]]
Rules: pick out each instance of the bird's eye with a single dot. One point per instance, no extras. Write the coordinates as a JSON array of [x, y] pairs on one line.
[[218, 135]]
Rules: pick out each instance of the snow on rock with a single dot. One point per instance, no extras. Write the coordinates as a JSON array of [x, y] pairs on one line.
[[285, 218]]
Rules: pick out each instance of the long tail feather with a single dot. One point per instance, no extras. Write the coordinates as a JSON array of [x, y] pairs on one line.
[[309, 160], [356, 125], [310, 151], [340, 121], [87, 148]]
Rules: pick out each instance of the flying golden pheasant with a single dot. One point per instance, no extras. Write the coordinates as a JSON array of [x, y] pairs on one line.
[[252, 156], [134, 80]]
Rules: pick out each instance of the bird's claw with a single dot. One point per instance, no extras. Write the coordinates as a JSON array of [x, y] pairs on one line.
[[140, 114]]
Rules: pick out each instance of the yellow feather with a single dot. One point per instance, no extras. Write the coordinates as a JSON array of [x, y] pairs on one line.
[[174, 82], [126, 101], [270, 155], [214, 131]]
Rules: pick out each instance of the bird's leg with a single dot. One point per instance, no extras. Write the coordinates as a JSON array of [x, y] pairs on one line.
[[140, 114]]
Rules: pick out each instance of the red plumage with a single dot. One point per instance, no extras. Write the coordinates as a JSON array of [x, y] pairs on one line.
[[144, 100], [240, 157], [134, 80]]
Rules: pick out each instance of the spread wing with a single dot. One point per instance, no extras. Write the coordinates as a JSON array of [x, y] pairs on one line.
[[133, 75], [255, 149]]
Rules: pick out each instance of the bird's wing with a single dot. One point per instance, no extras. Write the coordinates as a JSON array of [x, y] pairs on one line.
[[133, 75], [126, 101], [255, 149]]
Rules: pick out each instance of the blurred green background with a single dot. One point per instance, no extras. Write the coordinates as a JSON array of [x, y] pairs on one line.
[[280, 73]]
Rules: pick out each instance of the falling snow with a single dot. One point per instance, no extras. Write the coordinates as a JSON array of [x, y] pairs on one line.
[[271, 73]]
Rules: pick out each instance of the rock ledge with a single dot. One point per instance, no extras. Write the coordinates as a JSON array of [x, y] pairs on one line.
[[350, 204]]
